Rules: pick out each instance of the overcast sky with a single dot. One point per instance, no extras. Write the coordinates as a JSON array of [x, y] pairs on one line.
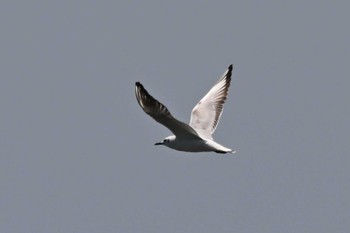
[[76, 150]]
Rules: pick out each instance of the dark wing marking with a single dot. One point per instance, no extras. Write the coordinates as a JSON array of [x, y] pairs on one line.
[[161, 114]]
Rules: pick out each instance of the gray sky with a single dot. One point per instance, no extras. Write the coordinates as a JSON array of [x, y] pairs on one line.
[[76, 150]]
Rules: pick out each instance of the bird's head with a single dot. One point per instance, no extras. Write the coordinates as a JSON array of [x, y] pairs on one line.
[[166, 141]]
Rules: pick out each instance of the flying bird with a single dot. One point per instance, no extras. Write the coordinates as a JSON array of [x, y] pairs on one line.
[[197, 135]]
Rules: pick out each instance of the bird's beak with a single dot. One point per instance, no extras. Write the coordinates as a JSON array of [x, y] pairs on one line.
[[158, 143]]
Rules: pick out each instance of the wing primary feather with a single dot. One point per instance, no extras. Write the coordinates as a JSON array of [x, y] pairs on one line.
[[161, 114], [149, 104], [206, 114]]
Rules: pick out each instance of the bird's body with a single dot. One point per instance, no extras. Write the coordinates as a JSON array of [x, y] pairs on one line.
[[196, 145], [197, 136]]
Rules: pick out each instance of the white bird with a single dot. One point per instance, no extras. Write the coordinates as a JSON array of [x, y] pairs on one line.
[[197, 136]]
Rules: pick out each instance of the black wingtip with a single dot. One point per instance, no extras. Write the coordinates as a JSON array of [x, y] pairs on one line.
[[139, 85], [229, 71]]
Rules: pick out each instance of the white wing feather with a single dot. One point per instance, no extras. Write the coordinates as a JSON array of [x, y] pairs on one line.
[[206, 114]]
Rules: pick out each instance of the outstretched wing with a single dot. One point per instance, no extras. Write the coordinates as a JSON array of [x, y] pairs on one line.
[[161, 114], [206, 114]]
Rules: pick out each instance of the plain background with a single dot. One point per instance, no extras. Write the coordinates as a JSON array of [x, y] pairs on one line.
[[77, 151]]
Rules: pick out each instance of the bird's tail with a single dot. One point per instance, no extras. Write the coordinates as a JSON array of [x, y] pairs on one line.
[[225, 151]]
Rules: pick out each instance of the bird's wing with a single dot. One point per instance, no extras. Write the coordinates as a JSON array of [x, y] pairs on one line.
[[161, 114], [206, 114]]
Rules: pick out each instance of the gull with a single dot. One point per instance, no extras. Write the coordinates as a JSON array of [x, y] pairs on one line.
[[197, 135]]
